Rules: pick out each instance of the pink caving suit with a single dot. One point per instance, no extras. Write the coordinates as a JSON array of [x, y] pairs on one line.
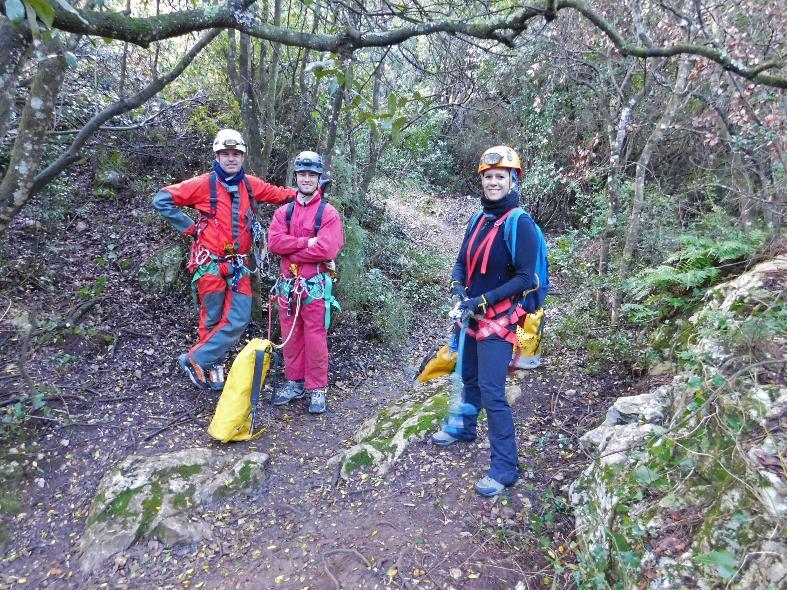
[[306, 353]]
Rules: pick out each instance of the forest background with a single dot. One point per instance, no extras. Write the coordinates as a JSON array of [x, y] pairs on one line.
[[651, 134]]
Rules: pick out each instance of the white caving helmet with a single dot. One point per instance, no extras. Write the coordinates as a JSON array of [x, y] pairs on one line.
[[229, 139]]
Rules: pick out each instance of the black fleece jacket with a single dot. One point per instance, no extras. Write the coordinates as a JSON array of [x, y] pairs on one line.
[[502, 279]]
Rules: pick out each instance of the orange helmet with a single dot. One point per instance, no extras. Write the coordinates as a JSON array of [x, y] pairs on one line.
[[500, 156]]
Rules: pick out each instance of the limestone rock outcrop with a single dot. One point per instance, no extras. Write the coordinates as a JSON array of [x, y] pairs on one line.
[[153, 497], [689, 484]]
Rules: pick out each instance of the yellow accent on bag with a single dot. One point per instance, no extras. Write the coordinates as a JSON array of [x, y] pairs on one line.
[[441, 363], [529, 341], [232, 420]]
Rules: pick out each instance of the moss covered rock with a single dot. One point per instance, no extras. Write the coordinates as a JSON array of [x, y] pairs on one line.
[[162, 271], [382, 439], [153, 497], [689, 485]]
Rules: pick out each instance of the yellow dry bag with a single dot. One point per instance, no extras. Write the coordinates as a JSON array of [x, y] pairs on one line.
[[437, 364], [234, 417], [527, 351]]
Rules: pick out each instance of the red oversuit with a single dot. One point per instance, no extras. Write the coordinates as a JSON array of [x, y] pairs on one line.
[[306, 351], [223, 241]]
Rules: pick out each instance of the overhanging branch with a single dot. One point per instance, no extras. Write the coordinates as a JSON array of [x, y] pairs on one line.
[[755, 74], [124, 105], [146, 30]]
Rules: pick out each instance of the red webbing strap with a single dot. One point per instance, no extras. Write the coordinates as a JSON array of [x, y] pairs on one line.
[[484, 247], [469, 248], [488, 325]]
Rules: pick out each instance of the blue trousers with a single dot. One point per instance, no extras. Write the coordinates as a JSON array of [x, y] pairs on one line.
[[484, 371]]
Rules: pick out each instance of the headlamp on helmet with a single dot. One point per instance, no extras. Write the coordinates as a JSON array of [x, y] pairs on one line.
[[308, 162], [500, 156], [229, 139]]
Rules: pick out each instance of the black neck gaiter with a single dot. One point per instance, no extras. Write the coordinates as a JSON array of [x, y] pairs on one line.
[[498, 208]]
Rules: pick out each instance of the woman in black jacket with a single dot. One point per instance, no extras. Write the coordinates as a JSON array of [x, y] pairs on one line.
[[487, 283]]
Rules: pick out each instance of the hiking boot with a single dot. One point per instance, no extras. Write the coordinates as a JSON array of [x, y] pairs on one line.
[[216, 378], [317, 405], [194, 371], [486, 486], [443, 439], [528, 362], [292, 390]]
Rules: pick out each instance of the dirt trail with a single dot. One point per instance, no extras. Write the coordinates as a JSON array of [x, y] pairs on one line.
[[420, 526]]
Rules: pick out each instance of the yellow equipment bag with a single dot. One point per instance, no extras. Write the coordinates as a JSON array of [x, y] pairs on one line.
[[234, 417], [527, 351], [437, 364]]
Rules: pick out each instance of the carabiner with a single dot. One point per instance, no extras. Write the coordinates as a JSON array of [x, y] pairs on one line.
[[202, 256]]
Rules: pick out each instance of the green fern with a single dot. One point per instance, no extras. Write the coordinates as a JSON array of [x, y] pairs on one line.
[[684, 276]]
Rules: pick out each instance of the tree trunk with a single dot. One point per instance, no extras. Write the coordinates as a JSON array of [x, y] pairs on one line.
[[124, 61], [612, 187], [239, 72], [778, 199], [374, 137], [303, 108], [269, 100], [336, 109], [13, 46], [742, 183], [249, 108], [33, 125], [643, 164]]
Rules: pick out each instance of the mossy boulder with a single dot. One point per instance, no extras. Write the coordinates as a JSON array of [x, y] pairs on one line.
[[162, 271], [154, 497], [689, 486], [382, 439]]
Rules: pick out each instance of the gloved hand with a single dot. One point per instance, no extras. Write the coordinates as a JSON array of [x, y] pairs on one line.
[[470, 307], [458, 293]]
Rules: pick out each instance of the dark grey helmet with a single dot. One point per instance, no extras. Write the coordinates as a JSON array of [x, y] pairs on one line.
[[308, 162]]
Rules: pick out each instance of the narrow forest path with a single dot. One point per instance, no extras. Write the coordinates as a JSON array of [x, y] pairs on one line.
[[422, 525]]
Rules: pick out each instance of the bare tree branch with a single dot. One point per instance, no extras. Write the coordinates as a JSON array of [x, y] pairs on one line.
[[146, 30], [122, 106]]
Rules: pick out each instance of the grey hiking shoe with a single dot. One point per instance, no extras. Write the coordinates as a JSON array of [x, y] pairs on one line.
[[442, 438], [486, 486], [317, 405], [292, 390]]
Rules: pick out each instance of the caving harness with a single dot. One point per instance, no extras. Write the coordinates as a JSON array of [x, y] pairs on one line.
[[296, 289], [506, 318], [203, 261]]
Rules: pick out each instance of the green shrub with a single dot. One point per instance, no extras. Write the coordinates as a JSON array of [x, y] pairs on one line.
[[385, 281]]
